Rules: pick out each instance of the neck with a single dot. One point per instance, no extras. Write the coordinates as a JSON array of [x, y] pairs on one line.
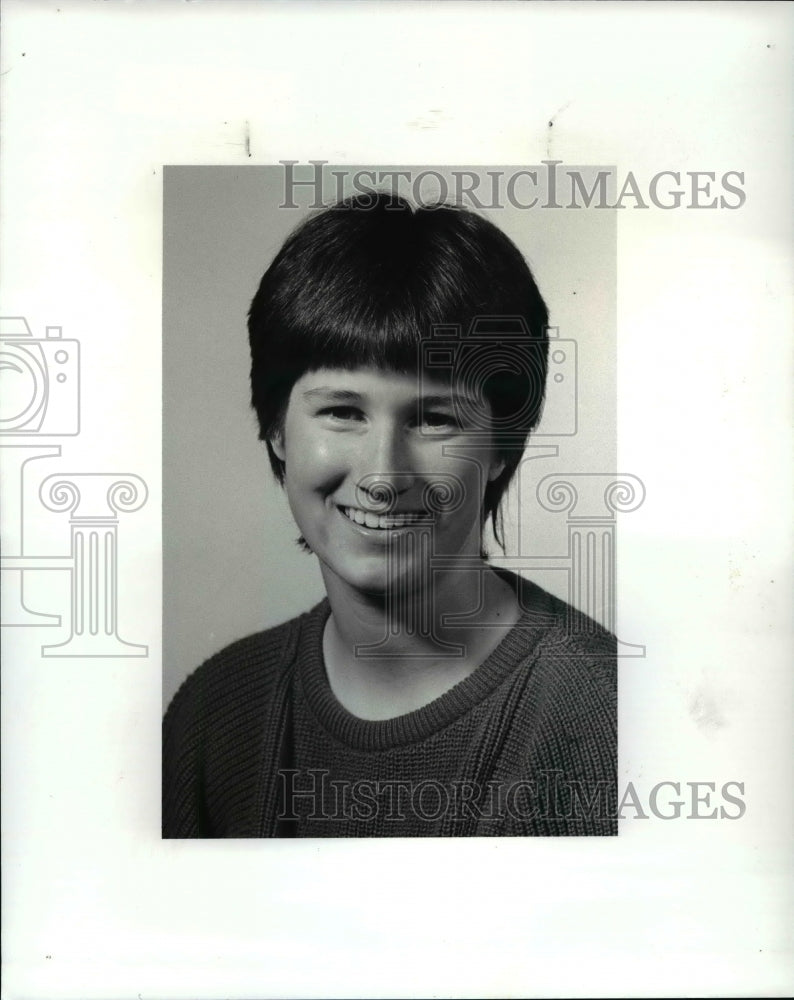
[[386, 657]]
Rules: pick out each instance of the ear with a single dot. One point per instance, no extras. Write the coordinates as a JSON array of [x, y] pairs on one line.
[[496, 469], [276, 442]]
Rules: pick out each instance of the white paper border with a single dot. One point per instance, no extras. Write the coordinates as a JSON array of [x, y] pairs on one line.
[[95, 905]]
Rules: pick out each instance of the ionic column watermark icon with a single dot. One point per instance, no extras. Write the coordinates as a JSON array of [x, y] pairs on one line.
[[94, 501], [415, 548], [497, 372], [591, 502], [40, 382]]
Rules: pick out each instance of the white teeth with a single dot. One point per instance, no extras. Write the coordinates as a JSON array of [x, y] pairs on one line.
[[381, 521]]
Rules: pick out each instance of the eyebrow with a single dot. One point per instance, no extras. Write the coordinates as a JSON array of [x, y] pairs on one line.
[[446, 400], [349, 396], [335, 395]]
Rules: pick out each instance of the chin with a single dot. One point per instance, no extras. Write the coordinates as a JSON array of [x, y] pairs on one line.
[[371, 576]]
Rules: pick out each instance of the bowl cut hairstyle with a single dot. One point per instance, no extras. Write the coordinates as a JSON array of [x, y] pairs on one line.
[[366, 282]]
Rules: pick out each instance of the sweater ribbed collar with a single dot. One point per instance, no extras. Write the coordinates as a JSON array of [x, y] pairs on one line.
[[516, 650]]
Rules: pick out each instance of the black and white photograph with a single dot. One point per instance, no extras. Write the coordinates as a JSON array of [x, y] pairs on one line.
[[395, 451], [401, 353]]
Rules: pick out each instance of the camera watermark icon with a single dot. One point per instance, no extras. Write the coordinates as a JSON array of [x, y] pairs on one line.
[[40, 380], [40, 386], [497, 372], [561, 409]]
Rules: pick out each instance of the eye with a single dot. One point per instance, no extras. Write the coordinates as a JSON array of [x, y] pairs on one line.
[[342, 414], [439, 420]]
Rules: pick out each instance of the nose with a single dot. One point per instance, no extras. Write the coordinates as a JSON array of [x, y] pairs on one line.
[[386, 469]]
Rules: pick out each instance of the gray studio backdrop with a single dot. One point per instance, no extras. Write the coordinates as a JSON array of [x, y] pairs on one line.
[[230, 562]]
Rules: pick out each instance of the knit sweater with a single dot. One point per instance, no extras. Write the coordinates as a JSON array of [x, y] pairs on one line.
[[256, 744]]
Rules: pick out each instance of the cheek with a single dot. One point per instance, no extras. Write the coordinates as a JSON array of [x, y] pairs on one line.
[[473, 479], [312, 464], [464, 477]]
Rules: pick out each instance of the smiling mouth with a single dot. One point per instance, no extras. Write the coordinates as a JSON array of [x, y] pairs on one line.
[[384, 522]]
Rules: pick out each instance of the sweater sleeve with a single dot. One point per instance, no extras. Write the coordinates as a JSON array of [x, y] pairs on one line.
[[183, 809], [216, 732]]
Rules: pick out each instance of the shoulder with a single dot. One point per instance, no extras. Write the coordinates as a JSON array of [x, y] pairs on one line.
[[573, 657], [565, 627], [214, 726], [578, 643], [244, 671]]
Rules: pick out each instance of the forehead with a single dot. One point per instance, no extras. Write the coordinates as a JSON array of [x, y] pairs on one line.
[[371, 383]]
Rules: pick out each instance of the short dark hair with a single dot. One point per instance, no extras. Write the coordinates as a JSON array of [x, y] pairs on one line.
[[365, 282]]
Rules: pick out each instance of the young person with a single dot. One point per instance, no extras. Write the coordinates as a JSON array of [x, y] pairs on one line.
[[398, 369]]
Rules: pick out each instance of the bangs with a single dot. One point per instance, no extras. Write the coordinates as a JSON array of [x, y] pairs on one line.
[[362, 326], [371, 293]]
